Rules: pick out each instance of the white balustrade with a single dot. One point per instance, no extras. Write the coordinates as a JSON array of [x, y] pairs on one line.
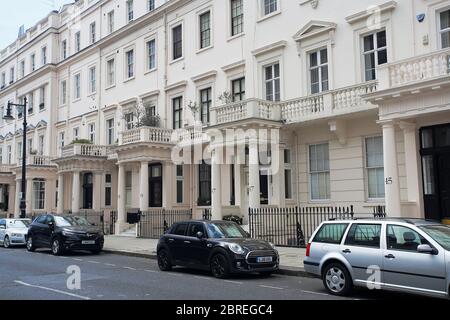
[[146, 134]]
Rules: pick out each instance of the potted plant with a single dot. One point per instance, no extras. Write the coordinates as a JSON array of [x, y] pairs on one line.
[[81, 141]]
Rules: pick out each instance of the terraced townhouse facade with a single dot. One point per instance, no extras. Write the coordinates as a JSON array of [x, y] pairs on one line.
[[357, 95]]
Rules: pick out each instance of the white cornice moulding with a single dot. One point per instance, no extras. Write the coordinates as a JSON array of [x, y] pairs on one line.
[[176, 85], [233, 66], [204, 76], [385, 7], [149, 94], [271, 47], [319, 26], [128, 101]]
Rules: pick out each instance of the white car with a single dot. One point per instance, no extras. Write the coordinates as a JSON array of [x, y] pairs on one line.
[[13, 232]]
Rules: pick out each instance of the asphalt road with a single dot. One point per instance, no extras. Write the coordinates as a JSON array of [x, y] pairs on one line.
[[41, 276]]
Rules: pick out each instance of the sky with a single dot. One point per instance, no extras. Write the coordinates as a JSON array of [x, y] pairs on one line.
[[15, 13]]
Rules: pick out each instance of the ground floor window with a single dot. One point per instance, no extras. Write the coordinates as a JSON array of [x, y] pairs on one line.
[[39, 194], [204, 183], [375, 167], [108, 190], [128, 188], [180, 184], [319, 171]]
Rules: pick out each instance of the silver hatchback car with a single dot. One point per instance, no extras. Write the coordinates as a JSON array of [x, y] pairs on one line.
[[408, 255]]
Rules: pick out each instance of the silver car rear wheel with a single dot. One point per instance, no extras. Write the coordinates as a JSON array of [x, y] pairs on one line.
[[337, 279]]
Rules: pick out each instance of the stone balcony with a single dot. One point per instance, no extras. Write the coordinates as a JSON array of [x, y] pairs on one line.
[[314, 107], [7, 168], [434, 66], [146, 135], [84, 150], [40, 161]]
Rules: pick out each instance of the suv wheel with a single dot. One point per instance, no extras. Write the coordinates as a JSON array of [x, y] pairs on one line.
[[337, 279], [57, 249], [164, 261], [220, 266], [30, 245], [6, 242]]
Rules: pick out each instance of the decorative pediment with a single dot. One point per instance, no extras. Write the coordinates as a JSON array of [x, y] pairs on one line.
[[9, 135], [314, 28], [41, 124]]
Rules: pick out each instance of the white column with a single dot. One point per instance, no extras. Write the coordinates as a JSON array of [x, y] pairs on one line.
[[143, 187], [29, 197], [97, 191], [393, 205], [277, 170], [237, 184], [216, 196], [76, 192], [17, 200], [60, 208], [121, 198], [412, 165], [168, 182], [253, 167], [11, 199]]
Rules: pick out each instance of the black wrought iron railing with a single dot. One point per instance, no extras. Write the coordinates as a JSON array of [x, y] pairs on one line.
[[154, 223]]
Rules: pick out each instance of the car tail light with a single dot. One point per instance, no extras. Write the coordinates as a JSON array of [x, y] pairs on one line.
[[308, 249]]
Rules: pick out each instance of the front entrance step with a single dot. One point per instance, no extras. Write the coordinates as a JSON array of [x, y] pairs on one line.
[[130, 233]]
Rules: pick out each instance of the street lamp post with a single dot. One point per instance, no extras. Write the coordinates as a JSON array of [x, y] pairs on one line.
[[8, 116]]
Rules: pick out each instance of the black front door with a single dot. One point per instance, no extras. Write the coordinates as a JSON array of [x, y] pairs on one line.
[[87, 190], [156, 186], [435, 151], [264, 188]]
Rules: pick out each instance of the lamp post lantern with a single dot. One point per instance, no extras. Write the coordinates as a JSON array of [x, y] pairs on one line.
[[7, 117]]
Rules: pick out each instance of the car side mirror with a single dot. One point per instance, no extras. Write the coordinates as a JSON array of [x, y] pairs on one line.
[[2, 227], [425, 248], [51, 224], [200, 235]]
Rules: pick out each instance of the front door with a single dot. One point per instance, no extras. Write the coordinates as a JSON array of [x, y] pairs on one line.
[[264, 187], [435, 151], [87, 190], [156, 186]]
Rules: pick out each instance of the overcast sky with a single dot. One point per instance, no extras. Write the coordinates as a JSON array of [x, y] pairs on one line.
[[15, 13]]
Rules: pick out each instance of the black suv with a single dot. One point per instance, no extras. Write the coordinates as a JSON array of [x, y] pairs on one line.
[[219, 246], [63, 233]]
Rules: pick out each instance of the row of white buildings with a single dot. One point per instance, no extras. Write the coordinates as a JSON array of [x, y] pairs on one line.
[[358, 93]]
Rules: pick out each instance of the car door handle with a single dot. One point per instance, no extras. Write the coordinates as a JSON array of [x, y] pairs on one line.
[[209, 245], [187, 242], [171, 240], [390, 256], [347, 251]]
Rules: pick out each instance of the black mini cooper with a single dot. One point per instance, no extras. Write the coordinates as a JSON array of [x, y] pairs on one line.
[[222, 247]]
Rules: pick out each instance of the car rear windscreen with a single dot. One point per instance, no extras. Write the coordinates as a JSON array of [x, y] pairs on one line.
[[331, 233]]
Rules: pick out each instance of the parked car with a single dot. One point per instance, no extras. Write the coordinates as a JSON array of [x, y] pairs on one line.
[[13, 232], [222, 247], [64, 233], [408, 255]]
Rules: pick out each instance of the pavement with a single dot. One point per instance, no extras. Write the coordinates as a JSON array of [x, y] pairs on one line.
[[291, 259]]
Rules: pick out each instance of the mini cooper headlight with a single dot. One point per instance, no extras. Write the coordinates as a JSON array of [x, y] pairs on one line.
[[235, 248]]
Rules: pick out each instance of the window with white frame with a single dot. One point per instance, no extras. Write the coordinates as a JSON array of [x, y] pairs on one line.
[[205, 104], [319, 171], [39, 194], [77, 41], [110, 131], [64, 49], [272, 82], [93, 32], [151, 54], [111, 21], [180, 183], [269, 6], [111, 72], [205, 30], [444, 28], [63, 93], [9, 153], [41, 98], [62, 137], [76, 133], [44, 55], [238, 89], [91, 132], [30, 145], [31, 103], [77, 86], [177, 42], [375, 167], [1, 154], [375, 53], [129, 64], [41, 144], [129, 120], [3, 80], [287, 174], [22, 69], [108, 190], [33, 62], [11, 75], [130, 10], [150, 5], [92, 80], [318, 71], [177, 107], [237, 17]]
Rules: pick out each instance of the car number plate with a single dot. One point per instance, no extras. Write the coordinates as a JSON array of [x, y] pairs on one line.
[[88, 242], [264, 259]]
